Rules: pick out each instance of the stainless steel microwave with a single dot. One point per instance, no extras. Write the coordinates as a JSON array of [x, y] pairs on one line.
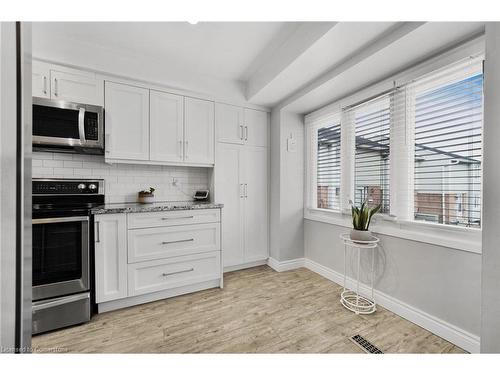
[[67, 127]]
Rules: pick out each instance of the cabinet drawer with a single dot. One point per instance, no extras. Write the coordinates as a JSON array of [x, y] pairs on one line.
[[157, 243], [170, 218], [153, 276]]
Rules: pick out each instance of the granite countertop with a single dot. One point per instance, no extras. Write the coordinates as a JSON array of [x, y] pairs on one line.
[[116, 208]]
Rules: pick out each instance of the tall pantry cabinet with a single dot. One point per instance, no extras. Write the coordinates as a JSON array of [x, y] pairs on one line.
[[241, 183]]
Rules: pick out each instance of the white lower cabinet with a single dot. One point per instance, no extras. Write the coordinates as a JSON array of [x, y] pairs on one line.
[[110, 257], [148, 277], [142, 253], [241, 184]]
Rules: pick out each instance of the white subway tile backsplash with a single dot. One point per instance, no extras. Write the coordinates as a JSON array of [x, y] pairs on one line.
[[123, 181]]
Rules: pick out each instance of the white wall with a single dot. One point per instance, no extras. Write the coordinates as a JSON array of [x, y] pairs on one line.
[[123, 181], [440, 281], [287, 186], [490, 324], [89, 56]]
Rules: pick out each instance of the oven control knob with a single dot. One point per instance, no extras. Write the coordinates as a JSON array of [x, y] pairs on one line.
[[93, 187], [81, 186]]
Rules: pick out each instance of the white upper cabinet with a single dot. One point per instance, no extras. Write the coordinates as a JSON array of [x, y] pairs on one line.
[[127, 122], [230, 124], [166, 125], [40, 79], [79, 87], [199, 137], [256, 127]]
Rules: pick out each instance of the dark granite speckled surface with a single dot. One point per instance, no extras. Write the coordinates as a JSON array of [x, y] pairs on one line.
[[116, 208]]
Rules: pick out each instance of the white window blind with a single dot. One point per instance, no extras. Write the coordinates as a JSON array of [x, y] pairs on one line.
[[448, 120], [372, 123], [328, 166]]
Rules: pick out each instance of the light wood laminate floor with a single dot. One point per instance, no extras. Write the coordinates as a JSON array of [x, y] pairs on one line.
[[258, 311]]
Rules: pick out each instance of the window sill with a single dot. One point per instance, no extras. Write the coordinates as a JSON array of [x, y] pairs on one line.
[[464, 239]]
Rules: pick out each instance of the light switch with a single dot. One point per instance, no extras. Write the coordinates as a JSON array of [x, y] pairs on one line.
[[291, 145]]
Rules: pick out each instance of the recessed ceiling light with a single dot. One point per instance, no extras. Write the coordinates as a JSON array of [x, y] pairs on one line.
[[193, 22]]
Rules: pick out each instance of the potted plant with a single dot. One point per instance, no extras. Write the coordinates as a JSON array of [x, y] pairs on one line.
[[361, 218], [147, 196]]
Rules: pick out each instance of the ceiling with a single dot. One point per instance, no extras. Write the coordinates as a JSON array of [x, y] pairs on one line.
[[302, 65], [219, 49]]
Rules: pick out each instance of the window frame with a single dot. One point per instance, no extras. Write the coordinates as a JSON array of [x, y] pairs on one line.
[[403, 225]]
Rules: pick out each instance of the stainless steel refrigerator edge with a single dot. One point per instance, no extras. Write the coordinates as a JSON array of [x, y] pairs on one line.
[[15, 180]]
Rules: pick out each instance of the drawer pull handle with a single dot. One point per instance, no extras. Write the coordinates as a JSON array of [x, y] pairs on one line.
[[177, 218], [177, 241], [176, 272]]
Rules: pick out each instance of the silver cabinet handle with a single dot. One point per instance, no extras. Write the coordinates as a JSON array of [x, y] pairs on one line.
[[246, 190], [175, 273], [97, 232], [241, 132], [45, 84], [246, 133], [242, 194], [177, 241], [186, 150], [177, 217], [55, 87], [180, 149]]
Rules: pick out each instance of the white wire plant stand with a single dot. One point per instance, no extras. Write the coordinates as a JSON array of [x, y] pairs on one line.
[[352, 299]]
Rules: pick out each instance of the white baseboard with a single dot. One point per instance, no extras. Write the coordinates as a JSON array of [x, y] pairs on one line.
[[453, 334], [245, 265], [286, 265]]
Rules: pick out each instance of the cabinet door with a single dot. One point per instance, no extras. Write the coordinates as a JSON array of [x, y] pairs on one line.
[[256, 127], [76, 87], [199, 137], [110, 257], [229, 123], [229, 191], [126, 122], [166, 126], [256, 204], [40, 80]]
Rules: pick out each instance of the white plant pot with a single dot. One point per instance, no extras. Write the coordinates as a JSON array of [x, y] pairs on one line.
[[360, 235], [146, 198]]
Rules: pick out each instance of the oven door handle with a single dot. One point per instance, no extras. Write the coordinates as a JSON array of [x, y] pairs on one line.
[[81, 125], [50, 220], [40, 305]]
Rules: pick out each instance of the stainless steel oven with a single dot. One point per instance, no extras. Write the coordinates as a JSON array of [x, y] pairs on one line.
[[62, 251], [68, 127], [60, 256]]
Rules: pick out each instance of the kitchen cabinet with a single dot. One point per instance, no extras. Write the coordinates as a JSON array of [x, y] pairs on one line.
[[230, 123], [127, 122], [40, 79], [199, 131], [166, 127], [60, 83], [110, 257], [79, 87], [146, 256], [241, 184], [255, 203], [256, 127], [229, 191], [243, 126]]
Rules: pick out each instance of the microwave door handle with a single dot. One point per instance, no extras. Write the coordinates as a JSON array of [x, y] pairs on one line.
[[81, 124]]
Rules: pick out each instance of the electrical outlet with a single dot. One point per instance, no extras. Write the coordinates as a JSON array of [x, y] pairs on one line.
[[174, 181]]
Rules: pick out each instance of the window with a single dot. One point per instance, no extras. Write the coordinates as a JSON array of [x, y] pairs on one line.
[[416, 150], [328, 167], [372, 150], [448, 149]]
